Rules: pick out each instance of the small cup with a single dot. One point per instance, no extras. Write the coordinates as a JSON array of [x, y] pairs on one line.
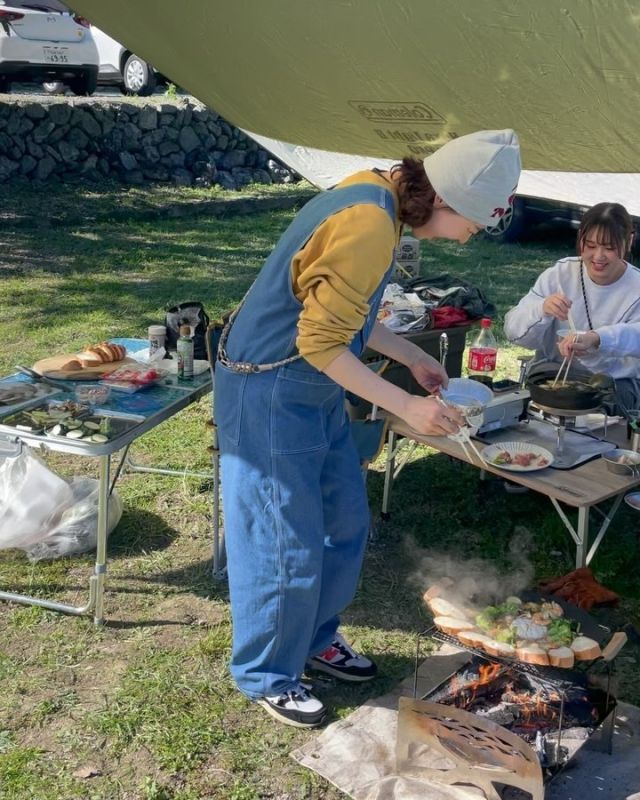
[[93, 394]]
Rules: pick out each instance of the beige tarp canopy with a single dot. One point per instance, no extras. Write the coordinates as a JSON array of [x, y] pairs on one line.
[[389, 77]]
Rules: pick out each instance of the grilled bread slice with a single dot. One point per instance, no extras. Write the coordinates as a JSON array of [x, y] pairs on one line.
[[561, 657], [532, 654], [585, 649], [445, 608], [452, 625]]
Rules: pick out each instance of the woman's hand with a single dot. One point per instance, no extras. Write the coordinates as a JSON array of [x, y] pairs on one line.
[[557, 305], [431, 416], [578, 343], [429, 373]]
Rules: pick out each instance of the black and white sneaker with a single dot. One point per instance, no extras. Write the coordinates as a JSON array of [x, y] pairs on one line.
[[342, 661], [297, 707]]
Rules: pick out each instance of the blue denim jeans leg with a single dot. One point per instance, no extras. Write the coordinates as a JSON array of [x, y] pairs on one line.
[[296, 519]]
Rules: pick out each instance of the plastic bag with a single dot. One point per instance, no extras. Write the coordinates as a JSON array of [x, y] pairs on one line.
[[77, 529], [32, 499]]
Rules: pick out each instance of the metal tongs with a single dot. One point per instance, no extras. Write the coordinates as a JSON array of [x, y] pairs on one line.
[[40, 378]]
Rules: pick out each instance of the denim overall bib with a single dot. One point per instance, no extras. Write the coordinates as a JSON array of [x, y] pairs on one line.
[[295, 506]]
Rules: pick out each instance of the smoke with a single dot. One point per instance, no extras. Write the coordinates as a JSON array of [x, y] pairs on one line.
[[477, 582]]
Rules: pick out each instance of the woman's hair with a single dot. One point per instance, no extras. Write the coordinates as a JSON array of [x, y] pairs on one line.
[[613, 225], [415, 192]]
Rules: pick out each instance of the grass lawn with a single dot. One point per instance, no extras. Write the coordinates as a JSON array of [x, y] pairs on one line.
[[143, 708]]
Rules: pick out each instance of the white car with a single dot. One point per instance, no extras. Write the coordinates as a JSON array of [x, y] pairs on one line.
[[123, 68], [41, 41]]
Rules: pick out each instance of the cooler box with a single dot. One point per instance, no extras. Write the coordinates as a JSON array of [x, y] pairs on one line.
[[399, 375]]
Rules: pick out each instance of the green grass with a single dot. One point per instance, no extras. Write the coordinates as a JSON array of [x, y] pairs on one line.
[[144, 708]]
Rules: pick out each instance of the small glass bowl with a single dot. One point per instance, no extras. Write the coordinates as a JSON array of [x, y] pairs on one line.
[[94, 394]]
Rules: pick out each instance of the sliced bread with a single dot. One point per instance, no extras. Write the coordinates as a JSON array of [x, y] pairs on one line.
[[561, 657], [452, 625], [445, 608], [585, 649], [532, 654], [501, 649]]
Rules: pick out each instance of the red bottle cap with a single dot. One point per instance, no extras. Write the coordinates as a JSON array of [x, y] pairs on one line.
[[485, 323]]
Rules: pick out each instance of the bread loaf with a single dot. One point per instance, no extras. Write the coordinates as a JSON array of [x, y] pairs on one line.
[[102, 353], [444, 608]]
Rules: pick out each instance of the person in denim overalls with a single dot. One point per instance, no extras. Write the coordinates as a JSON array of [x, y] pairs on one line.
[[295, 505]]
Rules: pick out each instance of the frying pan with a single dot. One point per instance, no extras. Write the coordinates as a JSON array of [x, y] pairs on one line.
[[581, 392]]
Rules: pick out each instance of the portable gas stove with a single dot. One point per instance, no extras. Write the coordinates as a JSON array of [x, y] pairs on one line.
[[564, 420], [504, 411]]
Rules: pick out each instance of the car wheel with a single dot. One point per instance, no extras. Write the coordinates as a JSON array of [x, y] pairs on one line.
[[54, 87], [139, 77], [512, 224], [84, 84]]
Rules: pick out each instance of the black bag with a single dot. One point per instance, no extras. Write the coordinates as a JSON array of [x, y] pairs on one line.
[[193, 315]]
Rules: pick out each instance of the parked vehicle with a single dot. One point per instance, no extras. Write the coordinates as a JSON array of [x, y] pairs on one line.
[[41, 41], [561, 198], [120, 67]]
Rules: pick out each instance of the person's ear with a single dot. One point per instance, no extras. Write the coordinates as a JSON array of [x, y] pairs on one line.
[[438, 202]]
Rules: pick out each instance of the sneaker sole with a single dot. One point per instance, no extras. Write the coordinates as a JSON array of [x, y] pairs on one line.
[[338, 673], [281, 717]]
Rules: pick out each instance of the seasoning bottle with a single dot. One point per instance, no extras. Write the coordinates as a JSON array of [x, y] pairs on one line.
[[483, 353], [184, 350], [157, 338]]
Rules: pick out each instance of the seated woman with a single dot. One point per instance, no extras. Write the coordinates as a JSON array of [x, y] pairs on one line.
[[599, 291]]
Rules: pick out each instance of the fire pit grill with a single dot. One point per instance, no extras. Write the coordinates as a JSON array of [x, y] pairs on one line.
[[553, 711]]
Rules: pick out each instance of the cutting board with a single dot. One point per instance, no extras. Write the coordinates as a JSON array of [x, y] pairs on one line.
[[53, 367]]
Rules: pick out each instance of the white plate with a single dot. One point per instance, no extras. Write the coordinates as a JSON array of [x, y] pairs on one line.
[[514, 449], [633, 500]]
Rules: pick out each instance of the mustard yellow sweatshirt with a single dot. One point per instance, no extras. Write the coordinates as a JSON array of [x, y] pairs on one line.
[[338, 270]]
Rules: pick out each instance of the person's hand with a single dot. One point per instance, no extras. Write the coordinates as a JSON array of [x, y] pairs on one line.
[[557, 305], [429, 373], [432, 417], [578, 343]]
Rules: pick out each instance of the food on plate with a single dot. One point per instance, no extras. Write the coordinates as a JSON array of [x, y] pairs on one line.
[[533, 632], [627, 460], [585, 649], [519, 459], [103, 353], [561, 657], [133, 376], [452, 625]]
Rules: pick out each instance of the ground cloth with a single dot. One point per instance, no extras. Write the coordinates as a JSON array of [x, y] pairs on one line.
[[357, 754]]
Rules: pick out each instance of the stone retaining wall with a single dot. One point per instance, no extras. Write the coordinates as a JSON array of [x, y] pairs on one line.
[[183, 143]]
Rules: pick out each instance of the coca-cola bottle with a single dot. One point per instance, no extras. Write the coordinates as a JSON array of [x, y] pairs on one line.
[[483, 353]]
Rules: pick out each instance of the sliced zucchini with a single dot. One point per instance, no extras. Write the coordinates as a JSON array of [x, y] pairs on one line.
[[99, 438], [76, 433], [92, 426], [58, 430]]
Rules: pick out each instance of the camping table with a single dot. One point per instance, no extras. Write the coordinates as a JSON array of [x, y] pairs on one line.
[[150, 407], [584, 488]]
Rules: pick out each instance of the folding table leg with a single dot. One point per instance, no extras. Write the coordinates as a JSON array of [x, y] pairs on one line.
[[97, 579]]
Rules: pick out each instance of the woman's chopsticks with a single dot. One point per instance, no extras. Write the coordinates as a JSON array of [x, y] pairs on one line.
[[566, 361], [466, 438]]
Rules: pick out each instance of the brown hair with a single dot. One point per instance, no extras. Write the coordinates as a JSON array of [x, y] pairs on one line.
[[415, 192], [613, 223]]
